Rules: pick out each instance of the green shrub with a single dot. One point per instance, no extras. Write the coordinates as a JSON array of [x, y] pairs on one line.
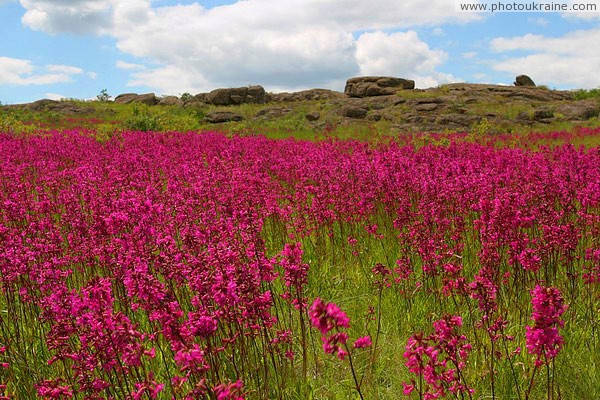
[[583, 94], [143, 120]]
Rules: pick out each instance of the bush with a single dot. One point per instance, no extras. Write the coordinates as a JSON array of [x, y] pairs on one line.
[[143, 120], [583, 94]]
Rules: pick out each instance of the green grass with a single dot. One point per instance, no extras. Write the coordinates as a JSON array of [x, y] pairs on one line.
[[107, 118]]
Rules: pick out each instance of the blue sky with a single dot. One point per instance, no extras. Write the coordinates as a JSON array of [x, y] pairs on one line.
[[66, 48]]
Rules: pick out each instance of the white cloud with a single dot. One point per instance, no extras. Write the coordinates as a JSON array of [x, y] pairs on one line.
[[277, 43], [169, 80], [400, 54], [64, 69], [557, 61], [469, 55], [92, 75], [73, 16], [55, 96], [129, 66], [16, 71]]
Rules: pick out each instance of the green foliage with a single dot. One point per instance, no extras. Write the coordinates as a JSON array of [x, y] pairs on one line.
[[481, 128], [186, 98], [105, 132], [10, 122], [142, 119], [587, 94], [584, 94], [103, 96]]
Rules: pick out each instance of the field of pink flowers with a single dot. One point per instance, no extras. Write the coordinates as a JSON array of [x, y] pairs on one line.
[[201, 266]]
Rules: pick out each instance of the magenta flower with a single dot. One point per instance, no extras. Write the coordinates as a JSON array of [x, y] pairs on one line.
[[326, 317], [362, 342], [438, 359], [542, 338]]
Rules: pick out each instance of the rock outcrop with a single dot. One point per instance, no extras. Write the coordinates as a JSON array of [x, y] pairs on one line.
[[313, 116], [273, 112], [305, 95], [235, 96], [354, 112], [217, 117], [367, 86], [170, 101], [61, 107], [147, 98], [524, 80], [581, 110]]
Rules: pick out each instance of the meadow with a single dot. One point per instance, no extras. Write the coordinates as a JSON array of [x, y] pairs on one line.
[[187, 265]]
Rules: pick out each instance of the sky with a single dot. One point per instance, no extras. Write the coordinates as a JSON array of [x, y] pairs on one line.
[[76, 48]]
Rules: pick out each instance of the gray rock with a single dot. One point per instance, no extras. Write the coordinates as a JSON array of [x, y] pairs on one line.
[[305, 95], [60, 107], [170, 101], [313, 116], [148, 99], [236, 96], [375, 103], [524, 80], [217, 117], [199, 98], [41, 105], [353, 112], [127, 98], [378, 116], [539, 115], [427, 106], [472, 92], [430, 100], [579, 111], [256, 94], [273, 112], [458, 119], [367, 86]]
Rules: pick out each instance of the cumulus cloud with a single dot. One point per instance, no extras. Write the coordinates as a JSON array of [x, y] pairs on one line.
[[565, 60], [16, 71], [277, 43], [169, 79], [72, 16], [400, 54]]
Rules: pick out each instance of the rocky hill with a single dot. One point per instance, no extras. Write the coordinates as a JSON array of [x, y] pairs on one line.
[[368, 100]]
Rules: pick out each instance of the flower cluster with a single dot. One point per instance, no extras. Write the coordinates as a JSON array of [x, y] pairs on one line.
[[327, 318], [543, 338], [438, 359]]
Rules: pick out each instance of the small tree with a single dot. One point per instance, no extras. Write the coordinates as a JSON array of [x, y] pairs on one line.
[[186, 98], [103, 96]]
